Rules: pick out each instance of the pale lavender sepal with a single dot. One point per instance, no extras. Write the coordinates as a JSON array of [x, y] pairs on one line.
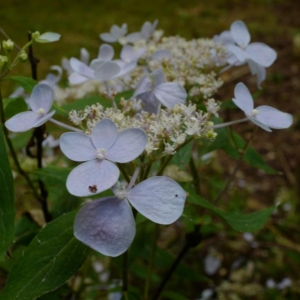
[[107, 70], [262, 54], [148, 29], [159, 198], [257, 70], [133, 37], [243, 98], [158, 77], [117, 31], [81, 68], [77, 146], [126, 69], [129, 144], [258, 123], [48, 37], [92, 177], [104, 134], [240, 33], [41, 97], [107, 37], [151, 104], [22, 121], [129, 54], [43, 119], [224, 37], [273, 117], [170, 94], [106, 225], [143, 86], [106, 52], [76, 78], [84, 56], [240, 54]]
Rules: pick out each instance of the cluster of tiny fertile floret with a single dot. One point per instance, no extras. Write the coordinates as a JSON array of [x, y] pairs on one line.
[[166, 131], [192, 63]]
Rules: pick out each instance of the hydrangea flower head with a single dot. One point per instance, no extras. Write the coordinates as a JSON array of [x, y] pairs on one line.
[[40, 102], [107, 225], [154, 91], [264, 116], [98, 152]]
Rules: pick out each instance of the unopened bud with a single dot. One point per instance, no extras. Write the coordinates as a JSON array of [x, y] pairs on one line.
[[8, 45], [3, 60], [35, 35], [23, 56], [211, 134]]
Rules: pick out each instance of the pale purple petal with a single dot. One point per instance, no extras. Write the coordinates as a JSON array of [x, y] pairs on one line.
[[159, 198], [143, 86], [77, 146], [243, 98], [224, 37], [129, 144], [41, 97], [84, 56], [170, 94], [161, 54], [104, 134], [107, 37], [96, 63], [258, 123], [240, 54], [151, 104], [148, 28], [158, 77], [129, 54], [124, 70], [257, 70], [107, 71], [106, 52], [98, 174], [43, 119], [133, 37], [261, 54], [117, 31], [273, 117], [81, 68], [22, 121], [240, 33], [76, 78], [106, 225]]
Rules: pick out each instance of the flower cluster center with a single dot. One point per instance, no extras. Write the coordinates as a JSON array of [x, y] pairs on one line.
[[254, 112], [41, 111]]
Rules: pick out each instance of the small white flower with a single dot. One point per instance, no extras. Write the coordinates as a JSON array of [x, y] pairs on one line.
[[40, 102], [107, 225], [98, 151], [48, 37], [264, 116]]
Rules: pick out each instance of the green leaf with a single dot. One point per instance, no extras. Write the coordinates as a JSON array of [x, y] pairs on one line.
[[48, 262], [26, 83], [7, 208], [238, 221], [173, 296], [14, 106]]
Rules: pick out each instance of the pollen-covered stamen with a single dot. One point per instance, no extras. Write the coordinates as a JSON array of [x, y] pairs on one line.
[[100, 153], [254, 112], [41, 112]]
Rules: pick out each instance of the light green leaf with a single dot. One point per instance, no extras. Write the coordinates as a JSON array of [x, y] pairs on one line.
[[26, 83], [48, 262], [7, 208], [238, 221]]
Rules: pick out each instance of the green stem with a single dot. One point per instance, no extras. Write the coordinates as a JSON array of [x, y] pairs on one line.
[[151, 262], [13, 153], [125, 275], [196, 179]]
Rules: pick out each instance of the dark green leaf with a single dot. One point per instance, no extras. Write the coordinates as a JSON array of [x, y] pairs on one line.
[[238, 221], [182, 156], [14, 106], [7, 208], [173, 296], [48, 262], [26, 83]]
